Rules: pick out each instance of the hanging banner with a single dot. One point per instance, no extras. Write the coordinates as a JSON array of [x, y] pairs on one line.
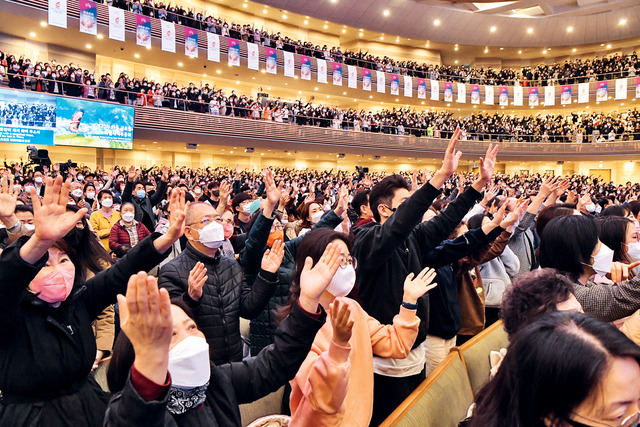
[[305, 67], [462, 93], [352, 81], [213, 47], [366, 79], [621, 88], [435, 90], [448, 92], [408, 87], [289, 63], [549, 96], [337, 74], [58, 13], [533, 96], [380, 81], [116, 23], [253, 56], [272, 60], [475, 94], [422, 89], [88, 17], [168, 36], [322, 70], [602, 91], [637, 87], [565, 94], [395, 84], [583, 93], [191, 42], [503, 96], [488, 95], [233, 54], [143, 31], [517, 96]]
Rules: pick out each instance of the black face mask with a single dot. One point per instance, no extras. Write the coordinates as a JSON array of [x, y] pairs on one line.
[[216, 193], [75, 237]]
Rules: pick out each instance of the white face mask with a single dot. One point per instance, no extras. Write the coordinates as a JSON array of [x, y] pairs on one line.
[[38, 179], [128, 216], [316, 217], [77, 193], [342, 282], [29, 227], [189, 363], [91, 195], [247, 209], [591, 208], [633, 250], [107, 203], [602, 260], [211, 235]]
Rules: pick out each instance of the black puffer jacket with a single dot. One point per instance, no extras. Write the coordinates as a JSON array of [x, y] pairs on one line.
[[226, 297]]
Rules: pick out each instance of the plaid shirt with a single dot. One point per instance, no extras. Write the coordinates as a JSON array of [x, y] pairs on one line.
[[133, 231], [609, 302]]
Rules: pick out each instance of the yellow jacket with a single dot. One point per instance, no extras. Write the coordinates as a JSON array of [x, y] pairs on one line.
[[102, 225]]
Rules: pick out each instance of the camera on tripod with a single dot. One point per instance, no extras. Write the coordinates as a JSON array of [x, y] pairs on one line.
[[38, 157]]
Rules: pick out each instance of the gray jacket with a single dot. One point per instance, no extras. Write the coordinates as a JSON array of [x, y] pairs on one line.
[[497, 275]]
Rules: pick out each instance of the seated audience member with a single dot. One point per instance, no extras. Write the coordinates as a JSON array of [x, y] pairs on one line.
[[564, 369], [334, 385], [127, 231], [161, 373], [103, 219], [214, 285], [46, 310]]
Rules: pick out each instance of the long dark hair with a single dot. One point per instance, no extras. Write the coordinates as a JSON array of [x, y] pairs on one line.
[[91, 255], [312, 245], [552, 366], [613, 233]]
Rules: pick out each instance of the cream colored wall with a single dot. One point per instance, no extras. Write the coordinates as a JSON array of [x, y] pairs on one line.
[[45, 52], [395, 51]]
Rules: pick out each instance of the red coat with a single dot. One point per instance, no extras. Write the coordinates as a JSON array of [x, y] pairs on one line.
[[120, 236]]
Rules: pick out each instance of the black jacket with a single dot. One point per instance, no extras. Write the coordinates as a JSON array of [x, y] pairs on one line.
[[231, 384], [226, 297], [388, 253], [47, 353], [144, 207]]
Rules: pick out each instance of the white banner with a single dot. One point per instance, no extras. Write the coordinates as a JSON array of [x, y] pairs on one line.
[[213, 47], [549, 96], [322, 70], [288, 64], [488, 95], [253, 56], [58, 13], [168, 36], [116, 24], [408, 87], [380, 81], [583, 93], [352, 83], [621, 88], [435, 90], [462, 93], [517, 96]]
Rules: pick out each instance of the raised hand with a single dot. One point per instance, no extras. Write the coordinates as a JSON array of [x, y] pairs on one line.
[[489, 194], [451, 156], [414, 181], [343, 201], [225, 191], [272, 258], [165, 174], [273, 192], [415, 288], [620, 271], [178, 209], [131, 174], [341, 321], [145, 317], [488, 164], [548, 186], [510, 221], [8, 201], [314, 279], [196, 281]]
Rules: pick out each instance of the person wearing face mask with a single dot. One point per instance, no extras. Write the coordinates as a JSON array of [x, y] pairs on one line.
[[214, 285], [570, 244], [334, 385], [47, 306], [127, 231], [135, 192], [38, 179], [16, 76], [241, 205], [103, 219], [310, 214], [160, 372], [90, 194], [227, 225]]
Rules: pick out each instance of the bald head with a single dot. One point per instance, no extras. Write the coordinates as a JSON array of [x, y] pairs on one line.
[[197, 211]]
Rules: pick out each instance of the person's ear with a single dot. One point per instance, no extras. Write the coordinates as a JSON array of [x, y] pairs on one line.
[[382, 211]]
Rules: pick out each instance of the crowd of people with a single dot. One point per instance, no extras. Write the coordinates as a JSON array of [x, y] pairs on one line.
[[356, 286], [72, 80]]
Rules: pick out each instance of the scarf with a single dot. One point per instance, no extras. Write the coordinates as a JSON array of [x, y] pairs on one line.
[[182, 400]]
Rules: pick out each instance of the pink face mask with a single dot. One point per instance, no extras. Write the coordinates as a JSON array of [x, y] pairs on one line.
[[54, 287], [228, 230]]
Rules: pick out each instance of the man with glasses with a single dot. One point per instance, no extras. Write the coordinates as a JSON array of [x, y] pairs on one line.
[[214, 285]]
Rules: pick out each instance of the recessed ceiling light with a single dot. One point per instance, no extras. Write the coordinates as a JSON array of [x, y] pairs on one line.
[[315, 88], [306, 22], [344, 31], [574, 50], [32, 34], [218, 71], [326, 26], [601, 44], [622, 21], [244, 5], [386, 12], [264, 11], [100, 36], [569, 29], [237, 82], [456, 61], [370, 96], [397, 40], [486, 50], [519, 52], [43, 24], [381, 37], [88, 46], [529, 30], [179, 64], [426, 45], [501, 48], [359, 34], [492, 29], [284, 16], [344, 93], [544, 52], [137, 55], [436, 22]]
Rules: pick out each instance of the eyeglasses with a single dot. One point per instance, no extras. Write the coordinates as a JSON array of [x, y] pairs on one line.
[[391, 209], [348, 260], [277, 227], [630, 421], [207, 221]]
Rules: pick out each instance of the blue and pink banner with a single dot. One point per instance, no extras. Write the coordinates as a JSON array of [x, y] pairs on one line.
[[233, 54], [637, 87], [272, 60], [503, 96], [305, 67], [448, 92], [337, 73], [395, 84], [191, 42], [366, 79], [565, 94], [475, 94], [88, 17], [534, 96], [422, 89], [602, 91], [143, 31]]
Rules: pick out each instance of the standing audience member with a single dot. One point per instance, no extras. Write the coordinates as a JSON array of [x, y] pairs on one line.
[[136, 193]]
